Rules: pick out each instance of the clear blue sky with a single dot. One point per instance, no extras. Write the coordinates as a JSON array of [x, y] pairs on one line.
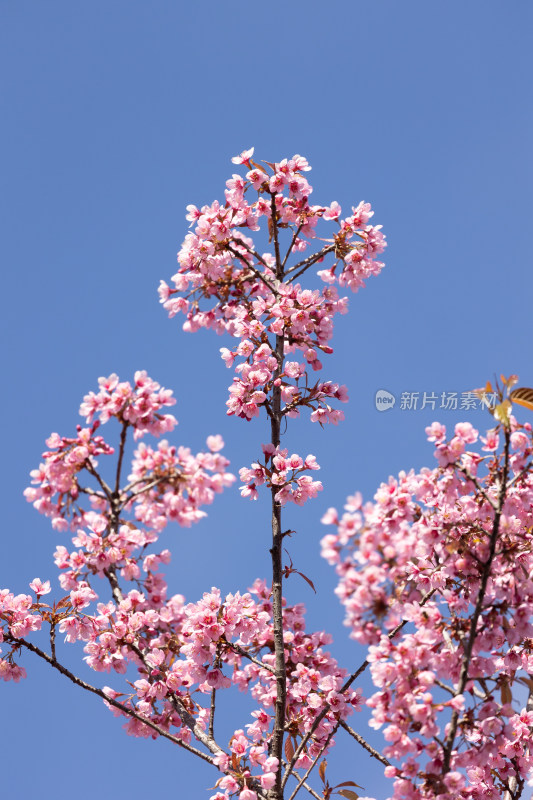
[[115, 116]]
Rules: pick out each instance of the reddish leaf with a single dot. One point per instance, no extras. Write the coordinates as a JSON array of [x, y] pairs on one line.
[[309, 581], [348, 783], [322, 770], [506, 693], [349, 794], [289, 749]]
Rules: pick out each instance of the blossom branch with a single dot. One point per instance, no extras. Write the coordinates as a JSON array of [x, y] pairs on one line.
[[253, 269], [130, 712], [293, 242], [346, 685], [467, 656], [304, 265], [245, 654]]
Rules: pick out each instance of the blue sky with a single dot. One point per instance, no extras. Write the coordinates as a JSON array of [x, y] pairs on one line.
[[115, 117]]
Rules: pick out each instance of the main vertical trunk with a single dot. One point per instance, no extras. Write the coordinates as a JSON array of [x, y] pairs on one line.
[[277, 589]]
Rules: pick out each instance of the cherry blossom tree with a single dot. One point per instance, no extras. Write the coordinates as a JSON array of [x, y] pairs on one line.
[[434, 574]]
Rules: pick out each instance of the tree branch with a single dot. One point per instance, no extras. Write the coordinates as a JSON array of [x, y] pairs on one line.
[[130, 712], [256, 272], [302, 781], [467, 655], [363, 742], [305, 785], [302, 266], [242, 652]]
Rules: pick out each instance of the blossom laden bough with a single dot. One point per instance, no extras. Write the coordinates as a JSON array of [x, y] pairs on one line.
[[448, 553], [225, 283]]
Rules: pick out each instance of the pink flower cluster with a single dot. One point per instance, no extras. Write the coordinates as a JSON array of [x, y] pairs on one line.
[[19, 616], [254, 296], [171, 484], [56, 490], [182, 650], [447, 555], [284, 472], [168, 483], [139, 405], [114, 527]]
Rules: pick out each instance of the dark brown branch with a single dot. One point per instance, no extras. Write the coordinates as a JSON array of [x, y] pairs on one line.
[[274, 221], [130, 712], [53, 639], [527, 469], [304, 265], [91, 492], [242, 652], [252, 252], [478, 486], [154, 482], [276, 742], [256, 272], [293, 242], [363, 742], [105, 488], [305, 785], [123, 434]]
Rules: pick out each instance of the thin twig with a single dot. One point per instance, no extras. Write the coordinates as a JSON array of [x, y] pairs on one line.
[[123, 434], [477, 484], [274, 220], [305, 785], [91, 492], [256, 272], [363, 742], [293, 242], [146, 488], [105, 488], [242, 652], [520, 474], [311, 768], [53, 639], [443, 686], [251, 250], [302, 266]]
